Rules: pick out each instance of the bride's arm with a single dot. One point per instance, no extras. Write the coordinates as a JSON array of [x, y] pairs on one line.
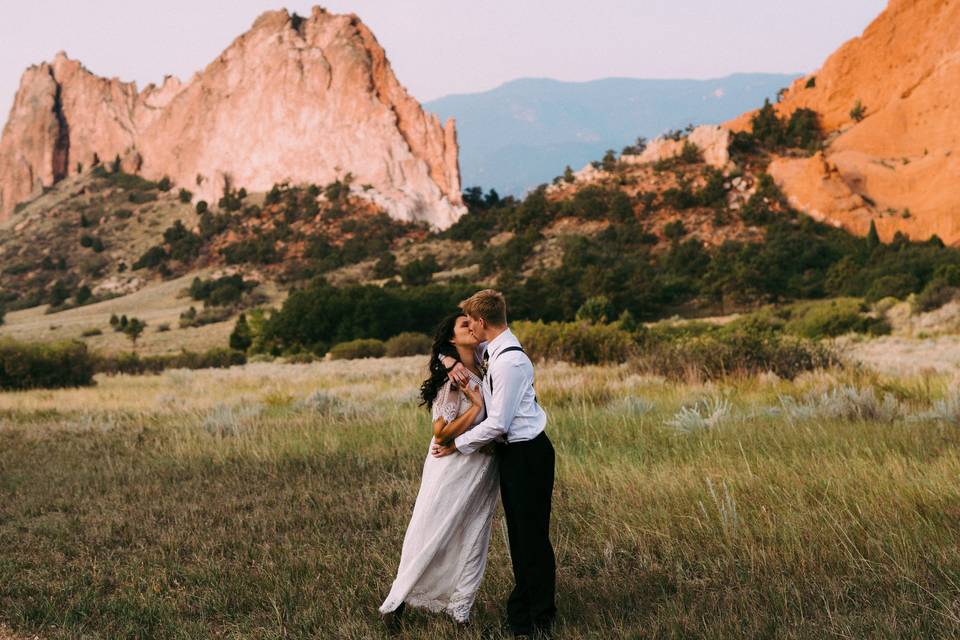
[[444, 432]]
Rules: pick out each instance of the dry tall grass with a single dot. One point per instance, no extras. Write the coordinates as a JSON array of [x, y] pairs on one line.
[[270, 501]]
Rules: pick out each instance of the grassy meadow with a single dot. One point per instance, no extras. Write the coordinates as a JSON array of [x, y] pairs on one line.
[[270, 501]]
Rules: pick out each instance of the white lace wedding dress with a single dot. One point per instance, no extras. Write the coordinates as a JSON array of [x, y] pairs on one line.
[[445, 548]]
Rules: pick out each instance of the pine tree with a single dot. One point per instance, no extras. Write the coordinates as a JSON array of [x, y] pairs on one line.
[[873, 238], [241, 338]]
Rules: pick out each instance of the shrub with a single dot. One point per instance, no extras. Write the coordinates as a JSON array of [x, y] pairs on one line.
[[131, 364], [141, 197], [210, 315], [575, 342], [386, 266], [408, 344], [934, 295], [241, 337], [362, 348], [680, 198], [419, 272], [690, 153], [164, 184], [87, 333], [260, 250], [899, 286], [222, 291], [858, 112], [674, 230], [184, 196], [717, 355], [31, 365], [123, 214], [184, 244], [594, 310], [82, 295], [151, 258], [827, 320]]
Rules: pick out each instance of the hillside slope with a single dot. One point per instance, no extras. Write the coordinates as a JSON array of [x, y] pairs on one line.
[[889, 102]]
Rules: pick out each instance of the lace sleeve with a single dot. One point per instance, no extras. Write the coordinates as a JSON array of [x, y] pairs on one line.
[[447, 404]]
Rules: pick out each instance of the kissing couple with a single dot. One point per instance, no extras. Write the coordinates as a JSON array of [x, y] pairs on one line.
[[488, 435]]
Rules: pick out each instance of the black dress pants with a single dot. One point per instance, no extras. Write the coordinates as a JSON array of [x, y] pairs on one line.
[[526, 489]]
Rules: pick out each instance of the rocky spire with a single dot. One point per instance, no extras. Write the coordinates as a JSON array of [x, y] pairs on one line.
[[304, 99]]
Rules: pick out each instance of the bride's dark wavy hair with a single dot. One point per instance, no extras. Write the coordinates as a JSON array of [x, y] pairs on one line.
[[441, 347]]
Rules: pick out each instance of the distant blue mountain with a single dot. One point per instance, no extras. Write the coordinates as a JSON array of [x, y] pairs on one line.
[[524, 132]]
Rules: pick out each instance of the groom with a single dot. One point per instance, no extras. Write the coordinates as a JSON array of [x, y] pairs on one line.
[[526, 458]]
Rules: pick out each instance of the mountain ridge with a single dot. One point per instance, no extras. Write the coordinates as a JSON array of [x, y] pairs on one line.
[[518, 134], [305, 99]]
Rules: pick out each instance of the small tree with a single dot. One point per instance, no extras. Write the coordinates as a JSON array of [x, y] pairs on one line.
[[690, 153], [82, 295], [858, 112], [595, 310], [134, 329], [419, 272], [59, 293], [609, 161], [386, 266], [873, 238], [164, 184], [241, 338], [185, 196], [568, 175], [674, 230]]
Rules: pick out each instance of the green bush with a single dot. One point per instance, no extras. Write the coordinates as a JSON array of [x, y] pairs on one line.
[[362, 348], [141, 197], [827, 319], [221, 291], [896, 285], [734, 353], [241, 337], [408, 344], [132, 364], [937, 293], [152, 257], [419, 272], [209, 315], [575, 342], [32, 365]]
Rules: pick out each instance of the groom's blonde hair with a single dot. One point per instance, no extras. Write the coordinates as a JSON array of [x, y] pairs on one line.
[[489, 305]]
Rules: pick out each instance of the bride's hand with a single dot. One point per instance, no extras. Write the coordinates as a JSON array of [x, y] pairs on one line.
[[473, 393]]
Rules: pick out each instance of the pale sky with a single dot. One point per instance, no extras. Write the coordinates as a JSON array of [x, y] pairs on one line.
[[439, 47]]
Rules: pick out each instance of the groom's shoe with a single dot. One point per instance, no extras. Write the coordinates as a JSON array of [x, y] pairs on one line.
[[393, 619]]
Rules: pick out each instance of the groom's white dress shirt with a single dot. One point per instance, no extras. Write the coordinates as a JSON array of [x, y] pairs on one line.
[[512, 409]]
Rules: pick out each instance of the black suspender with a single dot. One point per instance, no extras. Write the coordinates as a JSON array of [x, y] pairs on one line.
[[513, 348]]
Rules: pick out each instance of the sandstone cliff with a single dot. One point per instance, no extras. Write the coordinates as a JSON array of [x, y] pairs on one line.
[[297, 99], [897, 164]]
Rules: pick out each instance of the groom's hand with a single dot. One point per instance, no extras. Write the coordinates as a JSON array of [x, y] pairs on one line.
[[441, 450], [459, 374]]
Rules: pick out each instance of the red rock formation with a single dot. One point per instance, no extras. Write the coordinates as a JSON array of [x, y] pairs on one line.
[[298, 99], [897, 165]]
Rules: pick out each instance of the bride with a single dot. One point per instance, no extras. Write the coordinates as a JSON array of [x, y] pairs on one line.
[[445, 548]]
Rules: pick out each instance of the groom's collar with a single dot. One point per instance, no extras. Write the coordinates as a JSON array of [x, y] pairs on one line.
[[502, 341]]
